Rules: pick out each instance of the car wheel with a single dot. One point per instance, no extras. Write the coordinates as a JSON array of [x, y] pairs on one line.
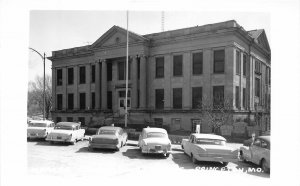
[[242, 157], [194, 159], [264, 166]]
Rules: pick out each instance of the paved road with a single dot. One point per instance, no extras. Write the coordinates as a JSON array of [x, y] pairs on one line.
[[61, 160]]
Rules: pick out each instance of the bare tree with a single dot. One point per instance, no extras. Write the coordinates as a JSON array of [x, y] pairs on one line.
[[35, 95], [218, 112]]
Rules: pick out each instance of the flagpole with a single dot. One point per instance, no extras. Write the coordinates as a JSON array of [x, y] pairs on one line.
[[126, 96]]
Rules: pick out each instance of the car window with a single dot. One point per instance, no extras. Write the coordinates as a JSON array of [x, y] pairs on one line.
[[110, 132], [264, 144], [210, 141], [156, 135], [257, 143], [191, 139]]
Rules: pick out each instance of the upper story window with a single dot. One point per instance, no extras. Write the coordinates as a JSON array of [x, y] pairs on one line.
[[257, 67], [197, 63], [109, 71], [59, 77], [257, 87], [70, 76], [59, 101], [82, 101], [238, 63], [159, 98], [237, 97], [219, 61], [93, 74], [159, 67], [70, 101], [122, 70], [177, 65], [197, 97], [82, 75], [244, 65]]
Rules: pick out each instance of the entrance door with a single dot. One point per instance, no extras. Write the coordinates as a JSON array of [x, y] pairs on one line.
[[122, 105]]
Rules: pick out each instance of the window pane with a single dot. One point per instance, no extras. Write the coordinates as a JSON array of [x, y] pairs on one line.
[[177, 65], [257, 87], [244, 64], [219, 59], [59, 101], [82, 75], [218, 96], [109, 71], [70, 101], [177, 98], [109, 99], [93, 100], [197, 97], [238, 62], [237, 97], [59, 77], [82, 101], [159, 67], [121, 69], [244, 97], [159, 98], [93, 73], [197, 63], [70, 76]]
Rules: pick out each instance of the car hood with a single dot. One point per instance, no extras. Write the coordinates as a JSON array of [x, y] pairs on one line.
[[216, 148], [160, 141], [58, 132], [104, 137]]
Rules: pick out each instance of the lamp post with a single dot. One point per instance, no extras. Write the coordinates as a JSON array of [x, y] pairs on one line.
[[44, 98]]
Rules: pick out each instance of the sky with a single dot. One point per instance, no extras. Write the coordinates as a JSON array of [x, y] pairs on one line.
[[55, 30]]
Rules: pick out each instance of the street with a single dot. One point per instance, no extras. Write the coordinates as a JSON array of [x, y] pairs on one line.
[[64, 160]]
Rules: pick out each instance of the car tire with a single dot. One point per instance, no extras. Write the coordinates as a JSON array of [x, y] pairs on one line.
[[264, 167], [194, 160]]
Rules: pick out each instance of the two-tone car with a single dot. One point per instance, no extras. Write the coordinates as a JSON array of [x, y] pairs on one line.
[[209, 147], [257, 152], [154, 141], [68, 132], [39, 129], [108, 137]]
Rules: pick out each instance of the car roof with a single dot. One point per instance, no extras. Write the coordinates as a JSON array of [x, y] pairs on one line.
[[40, 121], [110, 128], [266, 138], [148, 129], [208, 136], [70, 124]]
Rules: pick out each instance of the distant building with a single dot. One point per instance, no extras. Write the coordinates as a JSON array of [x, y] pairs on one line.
[[169, 74]]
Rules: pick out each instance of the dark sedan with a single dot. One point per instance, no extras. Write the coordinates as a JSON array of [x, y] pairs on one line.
[[108, 137]]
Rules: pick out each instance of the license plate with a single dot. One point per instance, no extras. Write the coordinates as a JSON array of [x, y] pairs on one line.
[[58, 137], [157, 147]]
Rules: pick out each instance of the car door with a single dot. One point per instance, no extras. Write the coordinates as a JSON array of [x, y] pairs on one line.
[[187, 147], [255, 151]]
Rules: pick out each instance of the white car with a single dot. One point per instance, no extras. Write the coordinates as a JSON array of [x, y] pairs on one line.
[[39, 128], [155, 141], [69, 132]]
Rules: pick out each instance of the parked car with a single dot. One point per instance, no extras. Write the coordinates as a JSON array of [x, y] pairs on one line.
[[39, 128], [69, 132], [209, 147], [257, 152], [154, 141], [108, 137]]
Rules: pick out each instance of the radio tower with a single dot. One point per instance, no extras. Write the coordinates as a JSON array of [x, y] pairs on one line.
[[162, 21]]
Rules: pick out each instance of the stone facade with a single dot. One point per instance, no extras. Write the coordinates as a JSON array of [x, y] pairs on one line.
[[104, 62]]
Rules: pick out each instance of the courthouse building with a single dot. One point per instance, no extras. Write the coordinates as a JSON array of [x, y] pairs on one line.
[[169, 74]]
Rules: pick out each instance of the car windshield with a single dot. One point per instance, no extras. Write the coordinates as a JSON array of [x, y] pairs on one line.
[[210, 141], [110, 132], [156, 135], [62, 127], [37, 124]]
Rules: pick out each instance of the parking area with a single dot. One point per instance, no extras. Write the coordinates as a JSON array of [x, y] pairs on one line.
[[63, 160]]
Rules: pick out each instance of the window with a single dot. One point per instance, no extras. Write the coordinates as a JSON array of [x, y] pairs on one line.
[[138, 98], [238, 63], [82, 75], [122, 70], [93, 100], [244, 64], [197, 97], [158, 122], [159, 67], [218, 96], [177, 98], [177, 65], [257, 67], [70, 76], [69, 119], [58, 119], [244, 97], [237, 97], [197, 63], [138, 67], [109, 99], [82, 101], [59, 77], [109, 71], [81, 120], [257, 87], [93, 73], [70, 101], [59, 101], [219, 61], [159, 98], [122, 94]]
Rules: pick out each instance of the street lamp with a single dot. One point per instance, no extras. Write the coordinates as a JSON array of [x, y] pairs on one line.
[[44, 98]]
